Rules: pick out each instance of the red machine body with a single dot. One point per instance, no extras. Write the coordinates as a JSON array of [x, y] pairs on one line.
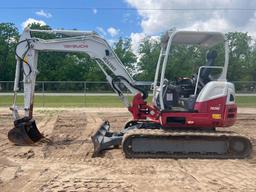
[[207, 114]]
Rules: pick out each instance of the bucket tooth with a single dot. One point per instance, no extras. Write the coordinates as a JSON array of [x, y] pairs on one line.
[[104, 139], [25, 132]]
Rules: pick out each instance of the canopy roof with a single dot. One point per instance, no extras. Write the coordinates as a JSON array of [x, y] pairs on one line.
[[204, 39]]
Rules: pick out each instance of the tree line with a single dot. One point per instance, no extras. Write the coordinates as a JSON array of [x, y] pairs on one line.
[[59, 66]]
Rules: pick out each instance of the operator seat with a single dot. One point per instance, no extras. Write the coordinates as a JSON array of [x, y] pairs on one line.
[[188, 102], [205, 72]]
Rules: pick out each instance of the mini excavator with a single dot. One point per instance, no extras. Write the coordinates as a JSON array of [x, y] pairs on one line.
[[181, 122]]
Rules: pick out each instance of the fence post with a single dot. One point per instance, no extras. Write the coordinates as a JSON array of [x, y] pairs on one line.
[[85, 93], [43, 92]]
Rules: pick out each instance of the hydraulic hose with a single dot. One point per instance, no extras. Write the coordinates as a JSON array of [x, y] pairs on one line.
[[118, 78], [21, 59]]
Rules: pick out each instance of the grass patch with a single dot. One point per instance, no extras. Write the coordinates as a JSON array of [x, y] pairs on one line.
[[96, 101], [246, 101], [67, 101]]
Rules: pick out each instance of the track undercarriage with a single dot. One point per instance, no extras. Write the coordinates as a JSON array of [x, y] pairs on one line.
[[148, 140]]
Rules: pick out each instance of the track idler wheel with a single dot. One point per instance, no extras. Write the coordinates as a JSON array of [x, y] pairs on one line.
[[25, 132], [240, 147]]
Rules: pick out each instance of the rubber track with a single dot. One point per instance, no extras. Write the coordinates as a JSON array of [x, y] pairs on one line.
[[149, 133]]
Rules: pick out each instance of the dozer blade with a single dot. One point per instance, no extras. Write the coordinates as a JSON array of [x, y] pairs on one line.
[[104, 139], [25, 132]]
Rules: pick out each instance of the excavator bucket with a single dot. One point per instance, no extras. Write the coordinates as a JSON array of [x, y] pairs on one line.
[[104, 139], [25, 132]]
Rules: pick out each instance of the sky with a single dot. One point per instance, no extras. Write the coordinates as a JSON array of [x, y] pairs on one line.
[[136, 18]]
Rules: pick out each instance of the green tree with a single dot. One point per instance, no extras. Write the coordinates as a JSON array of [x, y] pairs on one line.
[[239, 56], [252, 64], [183, 60], [149, 51], [8, 39], [123, 50]]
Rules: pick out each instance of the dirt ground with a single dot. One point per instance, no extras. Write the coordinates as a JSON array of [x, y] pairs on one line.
[[66, 163]]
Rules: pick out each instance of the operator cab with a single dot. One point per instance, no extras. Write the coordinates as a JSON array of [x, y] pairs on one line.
[[181, 93]]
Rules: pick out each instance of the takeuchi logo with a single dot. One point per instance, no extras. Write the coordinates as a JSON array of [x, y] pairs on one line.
[[74, 46], [216, 108]]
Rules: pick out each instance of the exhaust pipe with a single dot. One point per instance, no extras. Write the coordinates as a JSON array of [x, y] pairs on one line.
[[25, 132]]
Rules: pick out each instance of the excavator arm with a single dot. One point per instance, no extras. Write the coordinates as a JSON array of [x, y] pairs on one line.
[[27, 51], [85, 42]]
